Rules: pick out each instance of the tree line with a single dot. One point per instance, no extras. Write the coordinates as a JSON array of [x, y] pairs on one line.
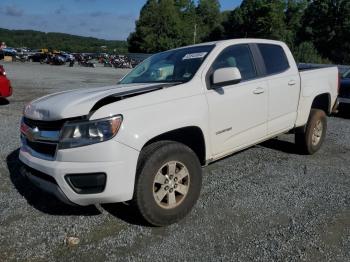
[[59, 41], [317, 31]]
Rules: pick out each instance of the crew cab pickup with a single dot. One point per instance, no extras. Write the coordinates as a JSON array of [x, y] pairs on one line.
[[145, 139]]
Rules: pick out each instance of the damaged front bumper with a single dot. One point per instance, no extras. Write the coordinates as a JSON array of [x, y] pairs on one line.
[[117, 161]]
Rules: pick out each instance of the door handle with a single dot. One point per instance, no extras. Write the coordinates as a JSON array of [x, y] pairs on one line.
[[292, 83], [258, 90]]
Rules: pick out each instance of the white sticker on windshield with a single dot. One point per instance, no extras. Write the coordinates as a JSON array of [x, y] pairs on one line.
[[195, 55]]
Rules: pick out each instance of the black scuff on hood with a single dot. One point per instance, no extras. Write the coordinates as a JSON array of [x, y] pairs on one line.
[[127, 94]]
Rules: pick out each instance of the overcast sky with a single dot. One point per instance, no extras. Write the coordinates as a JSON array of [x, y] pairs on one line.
[[106, 19]]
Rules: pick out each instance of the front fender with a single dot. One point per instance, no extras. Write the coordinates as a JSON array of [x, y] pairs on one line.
[[142, 124]]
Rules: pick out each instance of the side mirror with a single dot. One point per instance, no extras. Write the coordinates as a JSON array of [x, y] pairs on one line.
[[226, 76]]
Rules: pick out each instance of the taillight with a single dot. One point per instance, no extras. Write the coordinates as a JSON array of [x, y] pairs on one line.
[[2, 71]]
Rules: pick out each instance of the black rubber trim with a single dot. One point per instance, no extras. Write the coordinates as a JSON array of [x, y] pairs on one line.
[[258, 60], [42, 147], [40, 174], [45, 182], [227, 83], [89, 183]]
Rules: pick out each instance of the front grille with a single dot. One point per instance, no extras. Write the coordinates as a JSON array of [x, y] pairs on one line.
[[43, 148], [48, 125], [44, 125]]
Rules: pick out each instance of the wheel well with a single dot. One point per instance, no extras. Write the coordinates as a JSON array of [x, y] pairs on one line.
[[322, 102], [191, 136]]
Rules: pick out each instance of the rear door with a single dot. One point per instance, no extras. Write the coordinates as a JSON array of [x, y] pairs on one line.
[[283, 80], [237, 112]]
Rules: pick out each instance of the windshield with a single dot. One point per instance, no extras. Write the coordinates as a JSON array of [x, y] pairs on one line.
[[346, 74], [178, 65]]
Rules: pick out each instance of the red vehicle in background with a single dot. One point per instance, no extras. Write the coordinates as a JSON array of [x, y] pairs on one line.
[[5, 85]]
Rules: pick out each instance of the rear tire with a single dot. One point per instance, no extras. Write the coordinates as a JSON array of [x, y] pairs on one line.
[[168, 182], [309, 138]]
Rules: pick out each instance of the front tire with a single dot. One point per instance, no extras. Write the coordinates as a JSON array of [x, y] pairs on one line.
[[168, 182], [309, 139]]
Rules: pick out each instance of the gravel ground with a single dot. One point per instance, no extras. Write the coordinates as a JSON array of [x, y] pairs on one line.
[[267, 203]]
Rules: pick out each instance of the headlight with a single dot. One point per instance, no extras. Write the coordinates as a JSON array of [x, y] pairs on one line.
[[82, 133]]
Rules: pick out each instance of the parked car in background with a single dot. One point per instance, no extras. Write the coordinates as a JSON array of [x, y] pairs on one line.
[[5, 85], [67, 57], [344, 90], [22, 54], [146, 138], [55, 59], [37, 57], [9, 51]]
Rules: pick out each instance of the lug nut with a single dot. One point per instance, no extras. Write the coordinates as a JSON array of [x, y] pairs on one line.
[[166, 188], [171, 177], [175, 186], [175, 179], [171, 190], [166, 181]]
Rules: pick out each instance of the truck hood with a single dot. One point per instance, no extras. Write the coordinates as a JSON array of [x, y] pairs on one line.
[[80, 102]]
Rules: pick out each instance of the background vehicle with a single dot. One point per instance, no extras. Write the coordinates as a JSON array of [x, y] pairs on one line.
[[344, 90], [57, 59], [146, 138], [86, 63], [5, 85], [38, 57], [22, 54], [68, 57], [22, 58]]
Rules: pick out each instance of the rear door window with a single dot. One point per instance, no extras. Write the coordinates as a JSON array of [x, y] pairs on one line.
[[274, 58]]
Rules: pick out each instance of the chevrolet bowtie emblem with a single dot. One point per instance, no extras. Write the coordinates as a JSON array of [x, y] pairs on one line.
[[32, 134]]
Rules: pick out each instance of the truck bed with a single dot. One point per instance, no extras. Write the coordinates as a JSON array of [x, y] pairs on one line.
[[316, 81]]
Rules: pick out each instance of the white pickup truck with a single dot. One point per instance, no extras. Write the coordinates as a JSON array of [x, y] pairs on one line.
[[145, 139]]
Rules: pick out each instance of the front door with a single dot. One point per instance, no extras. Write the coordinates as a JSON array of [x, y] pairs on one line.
[[237, 112]]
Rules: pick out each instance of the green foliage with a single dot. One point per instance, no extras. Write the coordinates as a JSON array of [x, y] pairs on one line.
[[58, 41], [316, 31], [258, 18], [307, 53], [159, 27], [165, 24], [208, 18], [326, 23], [293, 20]]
